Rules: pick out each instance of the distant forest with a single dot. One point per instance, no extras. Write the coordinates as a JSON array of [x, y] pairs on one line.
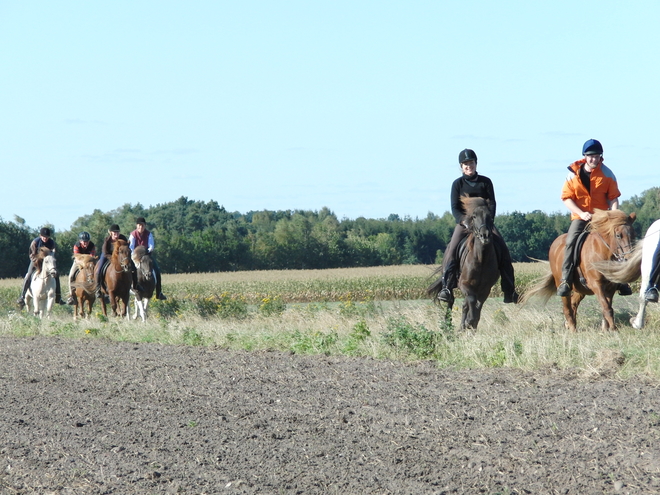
[[195, 236]]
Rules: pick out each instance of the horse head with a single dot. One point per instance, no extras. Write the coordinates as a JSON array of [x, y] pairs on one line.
[[143, 262], [86, 263], [121, 255], [49, 266], [615, 228], [478, 218]]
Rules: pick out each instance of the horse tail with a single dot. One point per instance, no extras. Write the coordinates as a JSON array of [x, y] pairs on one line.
[[622, 272], [434, 289], [543, 287]]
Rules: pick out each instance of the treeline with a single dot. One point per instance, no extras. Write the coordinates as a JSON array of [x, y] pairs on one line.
[[197, 236]]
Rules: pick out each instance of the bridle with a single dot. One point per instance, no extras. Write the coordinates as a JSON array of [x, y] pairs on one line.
[[620, 253]]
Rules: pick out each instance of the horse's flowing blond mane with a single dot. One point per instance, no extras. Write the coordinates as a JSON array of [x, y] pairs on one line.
[[605, 221], [471, 204]]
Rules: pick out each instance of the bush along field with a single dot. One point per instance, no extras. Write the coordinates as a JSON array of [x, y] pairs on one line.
[[380, 312]]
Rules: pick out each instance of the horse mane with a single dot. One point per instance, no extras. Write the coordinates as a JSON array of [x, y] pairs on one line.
[[82, 259], [138, 253], [120, 243], [41, 255], [471, 204], [605, 221]]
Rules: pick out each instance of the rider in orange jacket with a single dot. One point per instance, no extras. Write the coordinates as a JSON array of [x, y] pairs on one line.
[[589, 185]]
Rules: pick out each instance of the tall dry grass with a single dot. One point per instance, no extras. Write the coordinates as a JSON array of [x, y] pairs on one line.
[[530, 337]]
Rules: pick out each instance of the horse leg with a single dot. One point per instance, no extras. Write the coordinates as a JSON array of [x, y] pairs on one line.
[[638, 321], [113, 302], [471, 312], [475, 312], [137, 306], [608, 312], [570, 310], [125, 310]]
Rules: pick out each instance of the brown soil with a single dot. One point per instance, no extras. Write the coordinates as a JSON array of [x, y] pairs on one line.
[[116, 418]]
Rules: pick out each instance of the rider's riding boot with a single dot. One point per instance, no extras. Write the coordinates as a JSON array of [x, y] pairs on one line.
[[511, 298], [564, 289], [161, 296], [625, 290], [651, 294], [58, 300], [446, 294]]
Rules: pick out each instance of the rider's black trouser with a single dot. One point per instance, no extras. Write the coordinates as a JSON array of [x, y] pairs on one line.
[[568, 266]]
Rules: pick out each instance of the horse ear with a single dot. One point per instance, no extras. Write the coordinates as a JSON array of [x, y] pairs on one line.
[[632, 217]]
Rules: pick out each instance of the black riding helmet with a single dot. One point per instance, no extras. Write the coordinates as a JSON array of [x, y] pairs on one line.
[[466, 155], [84, 236]]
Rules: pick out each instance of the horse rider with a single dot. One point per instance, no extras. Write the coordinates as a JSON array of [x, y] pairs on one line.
[[106, 253], [589, 185], [83, 246], [142, 237], [471, 184], [44, 240]]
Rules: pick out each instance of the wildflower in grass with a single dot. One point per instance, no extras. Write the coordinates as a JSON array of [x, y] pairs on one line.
[[271, 306]]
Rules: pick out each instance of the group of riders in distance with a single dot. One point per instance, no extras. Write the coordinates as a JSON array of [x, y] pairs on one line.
[[589, 191], [139, 237]]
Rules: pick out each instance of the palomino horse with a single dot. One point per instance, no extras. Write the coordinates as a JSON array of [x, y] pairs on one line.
[[477, 261], [611, 237], [146, 281], [118, 279], [42, 286], [84, 285]]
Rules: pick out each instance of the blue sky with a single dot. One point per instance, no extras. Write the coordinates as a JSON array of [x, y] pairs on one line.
[[361, 106]]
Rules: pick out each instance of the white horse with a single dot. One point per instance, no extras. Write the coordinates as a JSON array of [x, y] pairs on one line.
[[642, 259], [42, 287], [651, 240]]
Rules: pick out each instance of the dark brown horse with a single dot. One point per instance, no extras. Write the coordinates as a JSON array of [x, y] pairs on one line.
[[477, 261], [611, 237], [118, 279], [146, 281], [84, 284]]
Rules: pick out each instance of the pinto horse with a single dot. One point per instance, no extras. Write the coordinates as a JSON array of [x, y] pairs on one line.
[[477, 261], [611, 237], [41, 293], [146, 281], [118, 279], [84, 285]]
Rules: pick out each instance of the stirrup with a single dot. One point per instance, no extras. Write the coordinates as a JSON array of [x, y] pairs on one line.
[[445, 295], [564, 290], [651, 295]]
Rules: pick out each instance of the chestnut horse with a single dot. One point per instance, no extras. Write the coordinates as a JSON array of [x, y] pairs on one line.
[[118, 279], [146, 281], [477, 261], [84, 285], [611, 237]]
